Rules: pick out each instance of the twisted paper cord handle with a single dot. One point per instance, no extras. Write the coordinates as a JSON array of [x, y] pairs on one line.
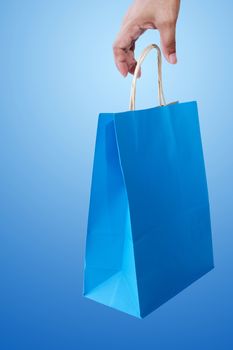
[[160, 84]]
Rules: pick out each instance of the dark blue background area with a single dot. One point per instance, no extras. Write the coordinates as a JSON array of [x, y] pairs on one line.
[[56, 74]]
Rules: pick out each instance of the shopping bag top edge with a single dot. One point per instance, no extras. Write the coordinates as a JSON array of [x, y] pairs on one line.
[[169, 106]]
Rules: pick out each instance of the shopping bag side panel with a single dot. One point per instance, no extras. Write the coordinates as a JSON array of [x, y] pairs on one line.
[[110, 276], [104, 245]]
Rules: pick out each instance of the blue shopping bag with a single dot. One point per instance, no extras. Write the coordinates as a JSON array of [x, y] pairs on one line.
[[149, 231]]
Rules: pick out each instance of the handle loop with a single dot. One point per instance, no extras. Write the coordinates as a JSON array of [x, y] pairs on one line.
[[160, 84]]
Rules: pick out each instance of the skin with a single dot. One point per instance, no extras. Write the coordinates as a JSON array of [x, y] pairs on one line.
[[142, 15]]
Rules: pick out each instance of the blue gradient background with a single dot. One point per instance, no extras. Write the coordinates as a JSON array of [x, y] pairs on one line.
[[56, 75]]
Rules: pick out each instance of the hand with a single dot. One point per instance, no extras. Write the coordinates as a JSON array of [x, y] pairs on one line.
[[143, 15]]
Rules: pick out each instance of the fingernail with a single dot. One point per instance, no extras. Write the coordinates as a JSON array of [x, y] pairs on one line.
[[172, 58]]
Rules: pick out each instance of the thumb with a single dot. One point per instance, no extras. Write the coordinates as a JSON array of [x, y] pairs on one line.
[[168, 41]]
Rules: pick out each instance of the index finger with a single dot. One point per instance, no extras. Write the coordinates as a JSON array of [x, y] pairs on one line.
[[123, 48]]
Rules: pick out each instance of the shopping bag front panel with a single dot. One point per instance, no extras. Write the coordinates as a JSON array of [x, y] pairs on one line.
[[163, 166]]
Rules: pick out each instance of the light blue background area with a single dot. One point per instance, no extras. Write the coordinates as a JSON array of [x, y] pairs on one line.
[[56, 74]]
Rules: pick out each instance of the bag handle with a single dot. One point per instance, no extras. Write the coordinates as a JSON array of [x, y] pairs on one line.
[[160, 84]]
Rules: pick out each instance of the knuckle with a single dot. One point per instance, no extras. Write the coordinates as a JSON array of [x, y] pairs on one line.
[[116, 50], [170, 45]]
